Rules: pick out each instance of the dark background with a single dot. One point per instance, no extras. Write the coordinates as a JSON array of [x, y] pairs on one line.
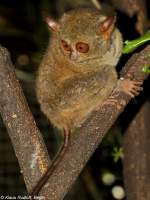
[[24, 32]]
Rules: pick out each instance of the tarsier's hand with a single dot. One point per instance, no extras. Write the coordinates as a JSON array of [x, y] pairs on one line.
[[130, 87]]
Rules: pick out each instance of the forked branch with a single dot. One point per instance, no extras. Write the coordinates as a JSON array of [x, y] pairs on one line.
[[27, 140]]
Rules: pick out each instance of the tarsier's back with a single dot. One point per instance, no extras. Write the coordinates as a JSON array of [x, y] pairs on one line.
[[78, 71]]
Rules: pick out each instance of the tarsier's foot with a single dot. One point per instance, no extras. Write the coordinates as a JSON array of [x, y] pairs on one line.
[[130, 87]]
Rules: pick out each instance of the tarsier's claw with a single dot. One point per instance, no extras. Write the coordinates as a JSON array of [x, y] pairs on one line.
[[130, 87]]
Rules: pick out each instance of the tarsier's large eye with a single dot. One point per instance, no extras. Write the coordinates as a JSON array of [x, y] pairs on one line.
[[65, 45], [82, 47]]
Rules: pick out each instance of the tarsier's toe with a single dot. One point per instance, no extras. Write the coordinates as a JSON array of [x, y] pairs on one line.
[[133, 93], [136, 88]]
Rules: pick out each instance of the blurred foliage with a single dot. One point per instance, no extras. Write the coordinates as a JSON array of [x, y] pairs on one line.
[[24, 32], [130, 46]]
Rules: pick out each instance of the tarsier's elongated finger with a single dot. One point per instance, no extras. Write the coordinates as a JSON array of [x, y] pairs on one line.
[[135, 92], [138, 88], [137, 82]]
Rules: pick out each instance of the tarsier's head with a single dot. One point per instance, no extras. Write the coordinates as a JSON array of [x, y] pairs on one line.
[[85, 34]]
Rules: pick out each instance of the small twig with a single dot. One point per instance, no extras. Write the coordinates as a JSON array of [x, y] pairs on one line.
[[97, 4], [25, 136], [25, 76]]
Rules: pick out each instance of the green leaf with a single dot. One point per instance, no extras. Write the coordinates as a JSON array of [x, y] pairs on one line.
[[146, 69], [117, 153], [130, 46]]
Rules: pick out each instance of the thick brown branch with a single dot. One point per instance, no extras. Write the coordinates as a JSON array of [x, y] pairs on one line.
[[89, 136], [136, 156], [26, 139]]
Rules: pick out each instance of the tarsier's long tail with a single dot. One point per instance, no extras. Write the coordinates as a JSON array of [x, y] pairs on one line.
[[52, 167]]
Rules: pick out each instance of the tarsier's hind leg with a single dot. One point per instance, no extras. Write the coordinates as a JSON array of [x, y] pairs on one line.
[[51, 168]]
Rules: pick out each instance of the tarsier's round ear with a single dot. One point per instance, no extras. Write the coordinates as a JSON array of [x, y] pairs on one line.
[[52, 24], [106, 27]]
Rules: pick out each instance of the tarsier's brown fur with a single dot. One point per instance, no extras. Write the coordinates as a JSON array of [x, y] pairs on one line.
[[68, 90], [77, 73]]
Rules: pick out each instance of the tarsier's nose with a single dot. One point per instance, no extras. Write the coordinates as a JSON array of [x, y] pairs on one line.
[[74, 55]]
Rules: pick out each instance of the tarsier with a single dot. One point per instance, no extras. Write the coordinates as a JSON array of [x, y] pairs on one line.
[[77, 73]]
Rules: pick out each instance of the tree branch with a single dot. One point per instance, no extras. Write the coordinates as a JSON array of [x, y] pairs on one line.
[[25, 136], [26, 139]]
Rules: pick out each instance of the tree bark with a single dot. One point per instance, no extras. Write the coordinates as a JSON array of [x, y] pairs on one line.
[[136, 162], [24, 134], [134, 7]]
